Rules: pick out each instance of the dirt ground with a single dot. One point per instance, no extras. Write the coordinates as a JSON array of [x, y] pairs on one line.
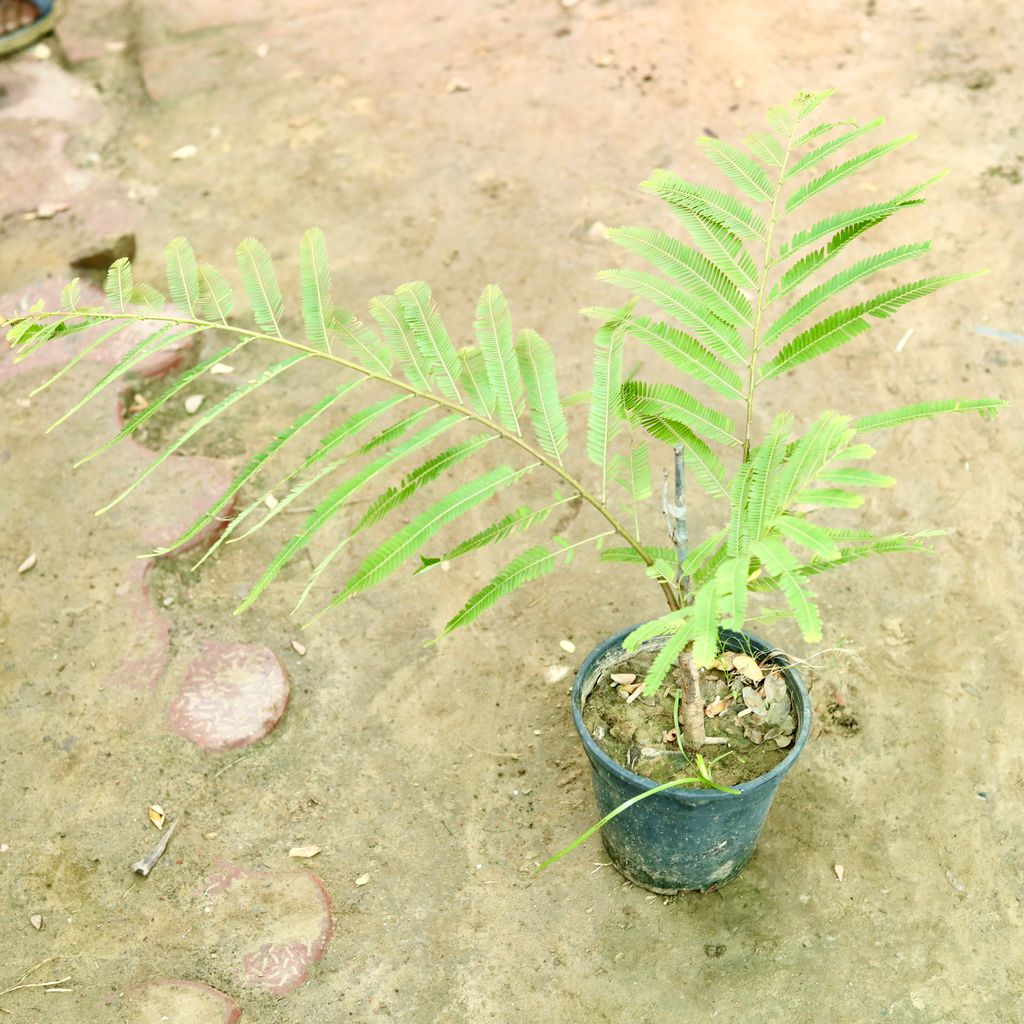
[[396, 759]]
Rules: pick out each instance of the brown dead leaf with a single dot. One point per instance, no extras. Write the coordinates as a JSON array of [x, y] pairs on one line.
[[717, 707], [746, 666], [157, 816], [304, 852], [754, 700]]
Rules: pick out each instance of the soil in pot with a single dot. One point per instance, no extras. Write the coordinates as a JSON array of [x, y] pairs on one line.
[[749, 718]]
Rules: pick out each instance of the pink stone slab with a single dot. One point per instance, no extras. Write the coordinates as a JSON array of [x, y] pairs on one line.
[[183, 488], [295, 923], [233, 695], [53, 354], [149, 634], [175, 999], [44, 91]]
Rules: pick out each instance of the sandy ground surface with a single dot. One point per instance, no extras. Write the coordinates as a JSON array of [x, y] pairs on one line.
[[396, 759]]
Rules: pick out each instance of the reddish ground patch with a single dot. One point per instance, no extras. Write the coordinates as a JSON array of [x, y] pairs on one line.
[[233, 695], [150, 634], [175, 999], [297, 911]]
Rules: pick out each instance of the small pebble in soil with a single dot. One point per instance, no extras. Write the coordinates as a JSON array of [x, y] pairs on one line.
[[982, 795]]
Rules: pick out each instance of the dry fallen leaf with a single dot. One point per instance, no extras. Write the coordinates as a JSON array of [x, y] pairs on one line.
[[840, 871], [568, 646], [304, 851], [157, 816], [754, 700], [299, 648], [28, 563], [746, 666], [717, 707], [623, 677], [362, 879], [37, 921]]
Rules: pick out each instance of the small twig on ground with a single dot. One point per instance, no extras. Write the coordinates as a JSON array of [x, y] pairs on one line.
[[145, 864], [21, 984], [493, 753]]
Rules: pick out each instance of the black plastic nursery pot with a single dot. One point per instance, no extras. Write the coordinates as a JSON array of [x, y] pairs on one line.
[[683, 839]]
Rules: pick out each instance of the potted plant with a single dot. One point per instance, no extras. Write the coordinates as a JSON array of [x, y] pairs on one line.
[[693, 704]]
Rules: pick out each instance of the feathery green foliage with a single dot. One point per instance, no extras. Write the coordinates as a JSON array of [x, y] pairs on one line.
[[749, 296]]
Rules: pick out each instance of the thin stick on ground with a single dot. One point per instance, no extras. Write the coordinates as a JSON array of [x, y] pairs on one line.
[[22, 984], [144, 865]]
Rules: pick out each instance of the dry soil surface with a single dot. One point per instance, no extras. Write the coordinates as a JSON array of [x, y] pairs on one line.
[[465, 143]]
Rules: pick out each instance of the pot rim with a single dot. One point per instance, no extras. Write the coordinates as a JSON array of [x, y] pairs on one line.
[[594, 750]]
